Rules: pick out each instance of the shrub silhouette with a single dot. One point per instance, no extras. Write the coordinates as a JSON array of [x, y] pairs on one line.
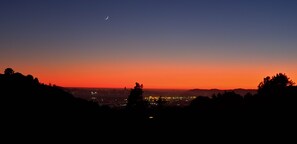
[[8, 71]]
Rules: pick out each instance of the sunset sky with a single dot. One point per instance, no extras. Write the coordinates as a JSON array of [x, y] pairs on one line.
[[161, 43]]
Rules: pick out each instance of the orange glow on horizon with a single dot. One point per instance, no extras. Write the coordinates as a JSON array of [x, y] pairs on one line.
[[157, 76]]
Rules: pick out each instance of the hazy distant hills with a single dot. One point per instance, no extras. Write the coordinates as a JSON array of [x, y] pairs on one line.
[[209, 92], [195, 92]]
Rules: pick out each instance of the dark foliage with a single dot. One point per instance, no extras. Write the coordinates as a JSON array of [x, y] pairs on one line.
[[135, 99]]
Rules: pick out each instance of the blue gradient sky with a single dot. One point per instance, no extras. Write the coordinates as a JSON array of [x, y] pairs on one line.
[[161, 43]]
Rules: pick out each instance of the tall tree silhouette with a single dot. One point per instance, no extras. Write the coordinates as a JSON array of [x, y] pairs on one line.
[[274, 85], [135, 98]]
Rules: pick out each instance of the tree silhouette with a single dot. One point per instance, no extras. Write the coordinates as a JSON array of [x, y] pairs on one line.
[[8, 71], [135, 98], [271, 86]]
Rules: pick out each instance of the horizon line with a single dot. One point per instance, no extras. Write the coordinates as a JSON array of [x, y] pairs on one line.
[[91, 87]]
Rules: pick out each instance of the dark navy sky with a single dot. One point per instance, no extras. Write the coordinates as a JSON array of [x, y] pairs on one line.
[[39, 36]]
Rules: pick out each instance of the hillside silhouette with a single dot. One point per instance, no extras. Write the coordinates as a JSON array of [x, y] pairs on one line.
[[25, 94]]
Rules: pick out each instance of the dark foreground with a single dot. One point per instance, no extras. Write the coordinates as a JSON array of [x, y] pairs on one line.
[[33, 110]]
